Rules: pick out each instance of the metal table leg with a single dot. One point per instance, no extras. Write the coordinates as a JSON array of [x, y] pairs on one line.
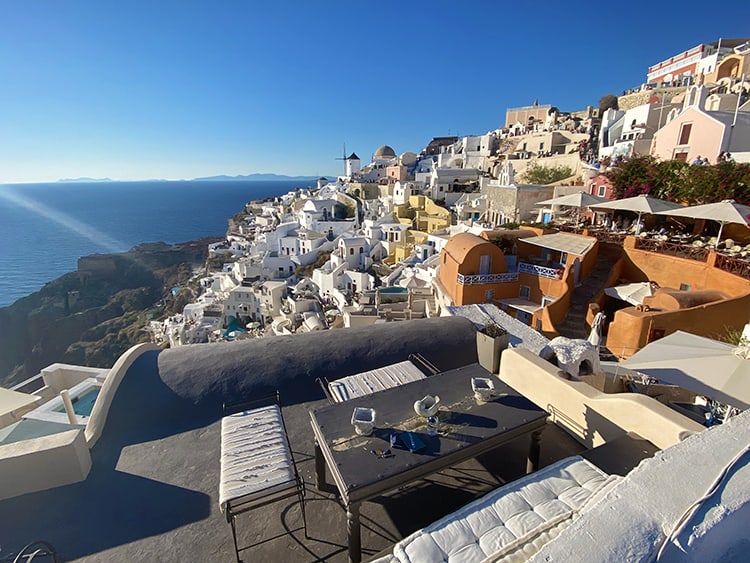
[[320, 468], [532, 462], [353, 532]]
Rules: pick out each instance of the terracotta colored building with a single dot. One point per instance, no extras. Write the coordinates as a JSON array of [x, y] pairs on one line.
[[469, 269]]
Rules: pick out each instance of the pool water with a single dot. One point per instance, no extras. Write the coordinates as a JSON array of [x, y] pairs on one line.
[[394, 289], [82, 405]]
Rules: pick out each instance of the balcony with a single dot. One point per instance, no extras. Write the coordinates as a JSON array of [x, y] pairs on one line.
[[541, 271], [480, 279]]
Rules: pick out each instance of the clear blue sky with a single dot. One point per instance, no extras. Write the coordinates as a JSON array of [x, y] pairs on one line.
[[159, 89]]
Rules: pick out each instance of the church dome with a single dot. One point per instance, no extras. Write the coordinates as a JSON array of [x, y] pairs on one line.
[[384, 152]]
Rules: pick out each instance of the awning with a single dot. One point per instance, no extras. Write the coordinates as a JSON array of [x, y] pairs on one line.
[[563, 242]]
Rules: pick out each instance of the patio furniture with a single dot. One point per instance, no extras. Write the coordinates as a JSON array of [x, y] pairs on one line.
[[512, 522], [365, 383], [257, 466], [467, 428]]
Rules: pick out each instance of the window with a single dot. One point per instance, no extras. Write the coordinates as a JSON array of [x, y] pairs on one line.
[[351, 251], [525, 291], [541, 146], [539, 325], [602, 191], [523, 316], [489, 295], [361, 250], [685, 133], [684, 287]]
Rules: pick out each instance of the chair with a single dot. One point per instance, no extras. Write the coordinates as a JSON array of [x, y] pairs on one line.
[[257, 466], [368, 382]]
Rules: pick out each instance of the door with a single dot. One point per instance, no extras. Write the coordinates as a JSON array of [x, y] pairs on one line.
[[485, 264], [577, 272]]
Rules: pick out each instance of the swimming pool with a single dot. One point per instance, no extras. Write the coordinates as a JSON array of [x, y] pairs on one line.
[[393, 289], [82, 404], [83, 396]]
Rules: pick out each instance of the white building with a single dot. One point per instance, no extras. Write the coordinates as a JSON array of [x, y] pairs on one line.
[[315, 210], [628, 133], [352, 251]]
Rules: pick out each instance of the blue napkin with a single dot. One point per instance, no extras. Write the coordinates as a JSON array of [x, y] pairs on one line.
[[411, 441]]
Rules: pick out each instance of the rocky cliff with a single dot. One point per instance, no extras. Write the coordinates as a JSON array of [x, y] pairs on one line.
[[89, 317]]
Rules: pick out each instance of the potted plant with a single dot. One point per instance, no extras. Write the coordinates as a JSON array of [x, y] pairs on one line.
[[491, 341]]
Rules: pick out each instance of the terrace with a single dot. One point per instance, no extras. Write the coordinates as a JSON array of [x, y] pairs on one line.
[[159, 470]]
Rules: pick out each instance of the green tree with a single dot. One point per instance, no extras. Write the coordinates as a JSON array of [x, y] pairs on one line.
[[535, 173], [606, 102]]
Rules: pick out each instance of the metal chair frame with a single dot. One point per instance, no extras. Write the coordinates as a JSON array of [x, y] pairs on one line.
[[299, 487]]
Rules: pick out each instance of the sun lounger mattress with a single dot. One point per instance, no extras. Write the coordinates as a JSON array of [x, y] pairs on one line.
[[255, 456]]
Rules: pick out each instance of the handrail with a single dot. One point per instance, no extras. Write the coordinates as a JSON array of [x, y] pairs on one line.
[[697, 253], [477, 279], [732, 265], [541, 271]]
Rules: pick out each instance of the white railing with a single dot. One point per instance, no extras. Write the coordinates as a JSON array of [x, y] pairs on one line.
[[541, 271], [477, 279]]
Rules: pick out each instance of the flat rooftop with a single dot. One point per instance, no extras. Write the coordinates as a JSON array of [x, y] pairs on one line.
[[158, 500], [153, 490]]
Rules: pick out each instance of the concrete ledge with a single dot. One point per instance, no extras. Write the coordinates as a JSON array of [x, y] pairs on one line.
[[591, 416], [95, 425], [43, 463]]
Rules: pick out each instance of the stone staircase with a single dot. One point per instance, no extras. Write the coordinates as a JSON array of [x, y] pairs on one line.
[[574, 324]]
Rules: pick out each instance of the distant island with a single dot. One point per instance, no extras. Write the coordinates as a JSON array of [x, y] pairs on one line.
[[220, 178], [83, 180], [256, 176]]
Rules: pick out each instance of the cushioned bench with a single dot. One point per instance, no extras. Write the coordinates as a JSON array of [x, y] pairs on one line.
[[372, 381], [257, 466], [511, 522]]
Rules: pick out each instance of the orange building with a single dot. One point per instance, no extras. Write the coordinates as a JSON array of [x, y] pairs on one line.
[[696, 295], [471, 268]]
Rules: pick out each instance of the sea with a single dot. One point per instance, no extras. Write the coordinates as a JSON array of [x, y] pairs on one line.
[[45, 228]]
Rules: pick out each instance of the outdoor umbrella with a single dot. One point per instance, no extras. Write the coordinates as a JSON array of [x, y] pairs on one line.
[[579, 200], [723, 212], [640, 204], [699, 364], [633, 293]]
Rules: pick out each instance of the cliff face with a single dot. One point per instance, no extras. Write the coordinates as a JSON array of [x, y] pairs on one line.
[[89, 317]]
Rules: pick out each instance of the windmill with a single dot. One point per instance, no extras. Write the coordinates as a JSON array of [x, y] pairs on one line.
[[351, 163], [343, 157]]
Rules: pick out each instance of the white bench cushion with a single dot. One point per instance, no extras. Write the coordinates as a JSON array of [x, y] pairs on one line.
[[507, 516], [255, 456], [368, 382]]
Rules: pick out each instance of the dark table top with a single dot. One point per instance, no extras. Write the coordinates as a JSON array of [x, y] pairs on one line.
[[467, 428]]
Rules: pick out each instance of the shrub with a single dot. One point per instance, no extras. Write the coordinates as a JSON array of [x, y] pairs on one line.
[[535, 173]]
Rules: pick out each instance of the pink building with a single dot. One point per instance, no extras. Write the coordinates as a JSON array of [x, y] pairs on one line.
[[696, 132]]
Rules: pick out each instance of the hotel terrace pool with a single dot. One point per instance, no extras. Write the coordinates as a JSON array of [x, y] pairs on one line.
[[83, 396]]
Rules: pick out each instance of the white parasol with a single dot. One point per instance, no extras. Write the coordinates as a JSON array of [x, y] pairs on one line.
[[723, 212], [702, 365], [641, 205]]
